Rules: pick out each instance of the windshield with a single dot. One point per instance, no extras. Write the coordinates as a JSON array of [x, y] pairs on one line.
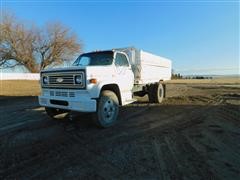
[[94, 59]]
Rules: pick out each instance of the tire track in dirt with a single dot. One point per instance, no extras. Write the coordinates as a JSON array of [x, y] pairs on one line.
[[192, 164], [76, 140], [18, 169]]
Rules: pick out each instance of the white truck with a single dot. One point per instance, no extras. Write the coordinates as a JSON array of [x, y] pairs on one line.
[[101, 81]]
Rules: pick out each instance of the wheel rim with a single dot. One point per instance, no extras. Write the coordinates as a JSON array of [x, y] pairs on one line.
[[109, 110]]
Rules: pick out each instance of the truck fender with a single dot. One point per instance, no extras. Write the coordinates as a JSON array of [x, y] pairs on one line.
[[114, 88]]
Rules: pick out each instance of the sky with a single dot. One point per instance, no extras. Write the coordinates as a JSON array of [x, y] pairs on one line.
[[200, 37]]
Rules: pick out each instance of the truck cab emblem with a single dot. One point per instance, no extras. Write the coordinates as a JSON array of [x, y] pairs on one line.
[[59, 80]]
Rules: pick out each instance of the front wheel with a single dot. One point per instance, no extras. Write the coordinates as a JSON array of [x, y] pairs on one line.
[[107, 110]]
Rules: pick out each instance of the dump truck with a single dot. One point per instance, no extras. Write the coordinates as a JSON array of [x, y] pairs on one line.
[[99, 82]]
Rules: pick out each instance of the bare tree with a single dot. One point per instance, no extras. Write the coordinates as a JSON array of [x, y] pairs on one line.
[[35, 48]]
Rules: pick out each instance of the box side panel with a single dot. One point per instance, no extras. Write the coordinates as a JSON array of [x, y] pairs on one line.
[[154, 68]]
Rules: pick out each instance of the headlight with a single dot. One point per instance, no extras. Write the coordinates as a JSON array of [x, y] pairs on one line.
[[45, 80], [78, 79]]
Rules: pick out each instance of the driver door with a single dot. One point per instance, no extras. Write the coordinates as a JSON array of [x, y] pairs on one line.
[[124, 75]]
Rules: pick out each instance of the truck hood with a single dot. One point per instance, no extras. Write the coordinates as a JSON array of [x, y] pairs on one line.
[[71, 68], [100, 72]]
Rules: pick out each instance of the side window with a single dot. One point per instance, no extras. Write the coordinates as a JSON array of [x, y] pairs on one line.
[[121, 60]]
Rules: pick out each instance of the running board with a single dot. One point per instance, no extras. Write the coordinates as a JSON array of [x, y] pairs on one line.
[[129, 101]]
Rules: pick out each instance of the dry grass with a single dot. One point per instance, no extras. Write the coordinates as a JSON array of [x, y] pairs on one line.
[[230, 81], [19, 88]]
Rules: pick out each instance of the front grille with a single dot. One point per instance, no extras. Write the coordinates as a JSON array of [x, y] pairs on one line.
[[62, 94], [71, 94], [63, 80], [66, 79]]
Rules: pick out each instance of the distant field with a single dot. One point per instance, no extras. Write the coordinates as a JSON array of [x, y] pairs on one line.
[[208, 81], [32, 87], [19, 88]]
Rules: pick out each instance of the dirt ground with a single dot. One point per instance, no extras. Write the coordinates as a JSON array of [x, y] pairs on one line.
[[193, 134]]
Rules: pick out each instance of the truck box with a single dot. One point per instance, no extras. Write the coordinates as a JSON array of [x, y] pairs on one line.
[[147, 67]]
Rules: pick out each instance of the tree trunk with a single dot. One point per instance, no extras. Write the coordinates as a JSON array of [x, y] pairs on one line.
[[32, 67]]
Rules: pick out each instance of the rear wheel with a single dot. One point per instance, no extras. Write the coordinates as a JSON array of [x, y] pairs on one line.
[[156, 93], [52, 112], [140, 93], [107, 110]]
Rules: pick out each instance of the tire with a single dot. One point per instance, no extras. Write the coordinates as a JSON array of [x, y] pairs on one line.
[[107, 109], [156, 93], [52, 112], [140, 93]]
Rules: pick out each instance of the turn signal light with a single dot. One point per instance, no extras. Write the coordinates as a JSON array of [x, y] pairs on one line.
[[93, 81]]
